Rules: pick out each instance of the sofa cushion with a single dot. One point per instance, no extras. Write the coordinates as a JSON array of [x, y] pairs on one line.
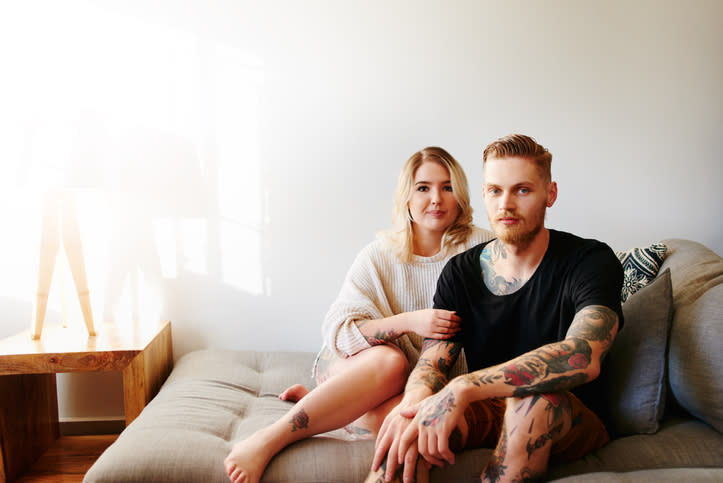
[[695, 358], [694, 269], [640, 266], [667, 475], [679, 443], [635, 369], [214, 397]]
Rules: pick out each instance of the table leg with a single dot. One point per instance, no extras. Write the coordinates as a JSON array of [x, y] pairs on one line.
[[143, 377], [28, 421]]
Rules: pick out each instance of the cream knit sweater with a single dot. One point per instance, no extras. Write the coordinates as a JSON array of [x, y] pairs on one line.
[[379, 286]]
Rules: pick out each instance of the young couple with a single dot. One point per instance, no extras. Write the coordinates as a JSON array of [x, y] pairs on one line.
[[535, 310]]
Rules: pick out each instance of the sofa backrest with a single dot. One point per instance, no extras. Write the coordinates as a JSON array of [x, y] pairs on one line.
[[695, 358]]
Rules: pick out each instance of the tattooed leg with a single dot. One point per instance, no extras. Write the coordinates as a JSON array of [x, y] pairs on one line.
[[496, 470], [531, 425], [360, 388]]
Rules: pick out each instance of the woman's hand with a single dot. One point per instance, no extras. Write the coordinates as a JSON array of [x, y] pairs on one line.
[[434, 323]]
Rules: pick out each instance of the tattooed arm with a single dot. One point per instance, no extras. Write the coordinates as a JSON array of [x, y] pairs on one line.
[[551, 368], [554, 367], [432, 370], [428, 377], [432, 323]]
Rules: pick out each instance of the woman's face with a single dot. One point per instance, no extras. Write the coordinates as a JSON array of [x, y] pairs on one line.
[[432, 204]]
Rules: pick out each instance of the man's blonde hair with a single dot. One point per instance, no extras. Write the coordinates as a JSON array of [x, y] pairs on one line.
[[523, 147], [401, 236]]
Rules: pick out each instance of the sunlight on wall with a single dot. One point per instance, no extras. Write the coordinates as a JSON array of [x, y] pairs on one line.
[[156, 130], [236, 120]]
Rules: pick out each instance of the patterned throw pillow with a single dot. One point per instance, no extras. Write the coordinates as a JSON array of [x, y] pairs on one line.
[[640, 266]]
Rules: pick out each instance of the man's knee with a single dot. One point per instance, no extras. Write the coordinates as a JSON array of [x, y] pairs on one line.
[[556, 406], [539, 419]]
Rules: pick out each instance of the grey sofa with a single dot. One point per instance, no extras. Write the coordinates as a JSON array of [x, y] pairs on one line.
[[665, 390]]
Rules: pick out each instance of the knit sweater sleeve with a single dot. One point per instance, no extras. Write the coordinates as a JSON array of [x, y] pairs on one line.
[[362, 297]]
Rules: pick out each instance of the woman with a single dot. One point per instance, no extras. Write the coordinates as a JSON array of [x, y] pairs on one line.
[[374, 330]]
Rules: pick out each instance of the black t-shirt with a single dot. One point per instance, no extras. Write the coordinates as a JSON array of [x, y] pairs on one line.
[[573, 274]]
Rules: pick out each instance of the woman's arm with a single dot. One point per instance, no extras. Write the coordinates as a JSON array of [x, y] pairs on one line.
[[428, 323], [362, 314]]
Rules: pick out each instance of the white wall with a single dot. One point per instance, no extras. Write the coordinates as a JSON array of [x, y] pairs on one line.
[[239, 153]]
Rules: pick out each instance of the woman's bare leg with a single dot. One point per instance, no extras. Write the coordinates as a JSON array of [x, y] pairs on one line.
[[358, 385]]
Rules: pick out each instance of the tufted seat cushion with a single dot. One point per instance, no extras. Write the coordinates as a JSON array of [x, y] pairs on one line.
[[214, 397], [210, 400]]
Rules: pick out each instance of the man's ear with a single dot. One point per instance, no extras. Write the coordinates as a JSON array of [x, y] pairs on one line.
[[551, 194]]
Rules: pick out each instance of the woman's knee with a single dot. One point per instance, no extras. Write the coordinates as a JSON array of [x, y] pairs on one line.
[[390, 364], [386, 363]]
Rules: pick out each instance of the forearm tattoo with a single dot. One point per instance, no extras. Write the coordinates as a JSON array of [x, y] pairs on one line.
[[451, 353], [428, 374], [382, 337], [530, 372], [425, 374]]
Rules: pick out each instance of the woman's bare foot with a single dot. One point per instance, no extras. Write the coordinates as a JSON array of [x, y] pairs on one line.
[[294, 393], [248, 459]]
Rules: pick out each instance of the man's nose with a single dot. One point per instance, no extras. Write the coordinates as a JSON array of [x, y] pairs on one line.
[[506, 202]]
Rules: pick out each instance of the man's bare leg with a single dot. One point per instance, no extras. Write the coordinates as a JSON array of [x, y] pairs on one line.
[[359, 387], [531, 426]]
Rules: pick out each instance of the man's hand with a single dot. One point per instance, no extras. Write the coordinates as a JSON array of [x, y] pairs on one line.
[[428, 376], [434, 420], [434, 323], [387, 445]]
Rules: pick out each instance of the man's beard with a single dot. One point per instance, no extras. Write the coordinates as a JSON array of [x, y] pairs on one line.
[[521, 234]]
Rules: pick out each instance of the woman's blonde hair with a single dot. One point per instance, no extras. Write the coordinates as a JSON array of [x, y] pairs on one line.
[[401, 236]]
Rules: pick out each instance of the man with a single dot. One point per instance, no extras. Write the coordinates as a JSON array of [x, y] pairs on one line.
[[540, 309]]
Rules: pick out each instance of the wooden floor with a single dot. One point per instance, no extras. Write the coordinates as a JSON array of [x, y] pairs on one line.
[[68, 460]]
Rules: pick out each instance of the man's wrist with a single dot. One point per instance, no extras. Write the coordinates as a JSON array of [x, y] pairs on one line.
[[463, 389], [413, 397]]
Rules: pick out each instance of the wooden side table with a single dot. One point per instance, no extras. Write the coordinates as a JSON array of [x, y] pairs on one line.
[[28, 395]]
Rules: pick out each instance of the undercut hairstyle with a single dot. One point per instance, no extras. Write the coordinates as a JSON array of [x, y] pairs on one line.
[[521, 146], [401, 236]]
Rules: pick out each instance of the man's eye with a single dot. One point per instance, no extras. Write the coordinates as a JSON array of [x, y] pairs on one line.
[[524, 191]]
